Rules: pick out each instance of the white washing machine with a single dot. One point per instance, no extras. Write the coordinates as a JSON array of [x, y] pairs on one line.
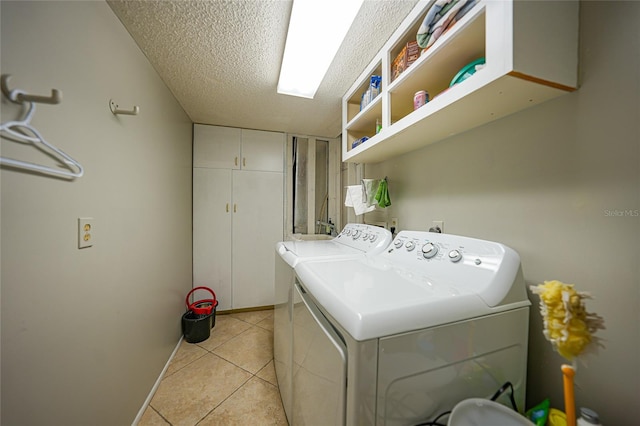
[[401, 337], [355, 240]]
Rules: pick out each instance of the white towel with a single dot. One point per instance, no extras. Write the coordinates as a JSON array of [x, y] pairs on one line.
[[354, 199], [369, 189]]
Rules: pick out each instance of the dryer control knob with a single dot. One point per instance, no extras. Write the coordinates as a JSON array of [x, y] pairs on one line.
[[455, 255], [429, 250], [373, 237], [398, 243], [356, 234], [410, 245]]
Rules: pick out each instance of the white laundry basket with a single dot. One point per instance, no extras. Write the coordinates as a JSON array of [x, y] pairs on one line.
[[483, 412]]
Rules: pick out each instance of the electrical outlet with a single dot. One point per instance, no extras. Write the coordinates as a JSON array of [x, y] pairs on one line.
[[394, 223], [85, 232], [438, 224]]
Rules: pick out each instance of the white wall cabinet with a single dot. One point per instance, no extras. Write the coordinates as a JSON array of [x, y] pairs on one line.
[[231, 148], [238, 210], [531, 53], [262, 151], [216, 147]]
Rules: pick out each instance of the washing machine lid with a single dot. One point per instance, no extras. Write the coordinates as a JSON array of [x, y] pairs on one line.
[[372, 297], [321, 248]]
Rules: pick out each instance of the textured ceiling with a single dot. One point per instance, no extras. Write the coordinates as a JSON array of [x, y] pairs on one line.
[[221, 59]]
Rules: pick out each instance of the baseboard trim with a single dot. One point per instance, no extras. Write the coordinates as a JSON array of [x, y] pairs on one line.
[[237, 311], [147, 401]]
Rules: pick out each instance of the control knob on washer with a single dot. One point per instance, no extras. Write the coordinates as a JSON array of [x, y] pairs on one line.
[[429, 250], [410, 245], [356, 234], [455, 255], [398, 243]]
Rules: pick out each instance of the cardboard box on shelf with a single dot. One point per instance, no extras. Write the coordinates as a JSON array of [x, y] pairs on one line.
[[413, 52], [407, 56]]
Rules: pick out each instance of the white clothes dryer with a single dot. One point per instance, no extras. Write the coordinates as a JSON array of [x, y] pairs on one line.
[[355, 241], [400, 337]]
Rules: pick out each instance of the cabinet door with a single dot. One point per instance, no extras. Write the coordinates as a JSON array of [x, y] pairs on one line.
[[257, 227], [216, 147], [212, 214], [262, 150]]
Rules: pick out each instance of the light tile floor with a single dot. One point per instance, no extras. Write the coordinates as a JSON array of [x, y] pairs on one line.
[[228, 379]]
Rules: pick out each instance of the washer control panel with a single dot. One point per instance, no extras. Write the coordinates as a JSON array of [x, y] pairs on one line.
[[436, 248], [410, 247], [467, 264], [364, 237]]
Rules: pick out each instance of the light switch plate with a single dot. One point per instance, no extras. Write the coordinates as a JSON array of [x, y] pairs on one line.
[[86, 234]]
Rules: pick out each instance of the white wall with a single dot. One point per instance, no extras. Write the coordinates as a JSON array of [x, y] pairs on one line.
[[547, 182], [85, 333]]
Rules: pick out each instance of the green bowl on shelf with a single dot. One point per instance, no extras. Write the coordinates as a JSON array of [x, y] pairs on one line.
[[467, 71]]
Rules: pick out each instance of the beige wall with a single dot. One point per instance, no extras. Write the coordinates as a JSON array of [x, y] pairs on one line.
[[85, 333], [547, 182]]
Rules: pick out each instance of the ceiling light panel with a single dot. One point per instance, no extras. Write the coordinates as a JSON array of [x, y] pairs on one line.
[[316, 31]]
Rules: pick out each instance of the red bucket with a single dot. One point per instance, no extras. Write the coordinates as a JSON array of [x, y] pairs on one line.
[[204, 306]]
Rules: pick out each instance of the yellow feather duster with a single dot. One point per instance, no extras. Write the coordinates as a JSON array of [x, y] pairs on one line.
[[567, 324], [569, 328]]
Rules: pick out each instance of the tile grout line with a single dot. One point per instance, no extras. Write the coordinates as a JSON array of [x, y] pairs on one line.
[[188, 364], [222, 402], [253, 376], [161, 416], [252, 327], [233, 363], [219, 356]]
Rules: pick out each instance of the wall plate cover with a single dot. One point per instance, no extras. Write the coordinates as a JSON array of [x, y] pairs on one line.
[[85, 232], [438, 224]]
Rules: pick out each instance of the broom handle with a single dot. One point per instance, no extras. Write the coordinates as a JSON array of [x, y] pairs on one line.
[[569, 400]]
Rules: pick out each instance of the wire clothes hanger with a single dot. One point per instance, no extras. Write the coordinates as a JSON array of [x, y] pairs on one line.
[[23, 131]]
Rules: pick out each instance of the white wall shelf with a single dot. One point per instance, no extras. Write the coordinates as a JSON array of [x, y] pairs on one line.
[[531, 51]]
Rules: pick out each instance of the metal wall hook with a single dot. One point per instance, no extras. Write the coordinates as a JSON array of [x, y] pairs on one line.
[[18, 96], [115, 109], [22, 131]]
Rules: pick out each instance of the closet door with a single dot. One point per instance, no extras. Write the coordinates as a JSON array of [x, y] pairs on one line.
[[257, 227], [212, 216], [263, 150], [216, 147]]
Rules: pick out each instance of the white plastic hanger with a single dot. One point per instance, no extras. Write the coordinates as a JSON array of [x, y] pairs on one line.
[[24, 132]]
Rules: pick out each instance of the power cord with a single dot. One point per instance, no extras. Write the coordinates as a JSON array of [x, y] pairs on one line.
[[511, 397], [434, 422]]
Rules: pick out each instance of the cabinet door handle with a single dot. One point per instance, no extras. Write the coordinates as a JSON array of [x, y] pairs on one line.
[[227, 208], [235, 161], [235, 209]]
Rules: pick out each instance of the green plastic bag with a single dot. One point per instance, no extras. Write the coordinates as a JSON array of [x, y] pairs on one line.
[[539, 413]]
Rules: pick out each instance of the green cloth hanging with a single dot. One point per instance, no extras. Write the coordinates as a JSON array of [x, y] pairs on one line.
[[382, 195]]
